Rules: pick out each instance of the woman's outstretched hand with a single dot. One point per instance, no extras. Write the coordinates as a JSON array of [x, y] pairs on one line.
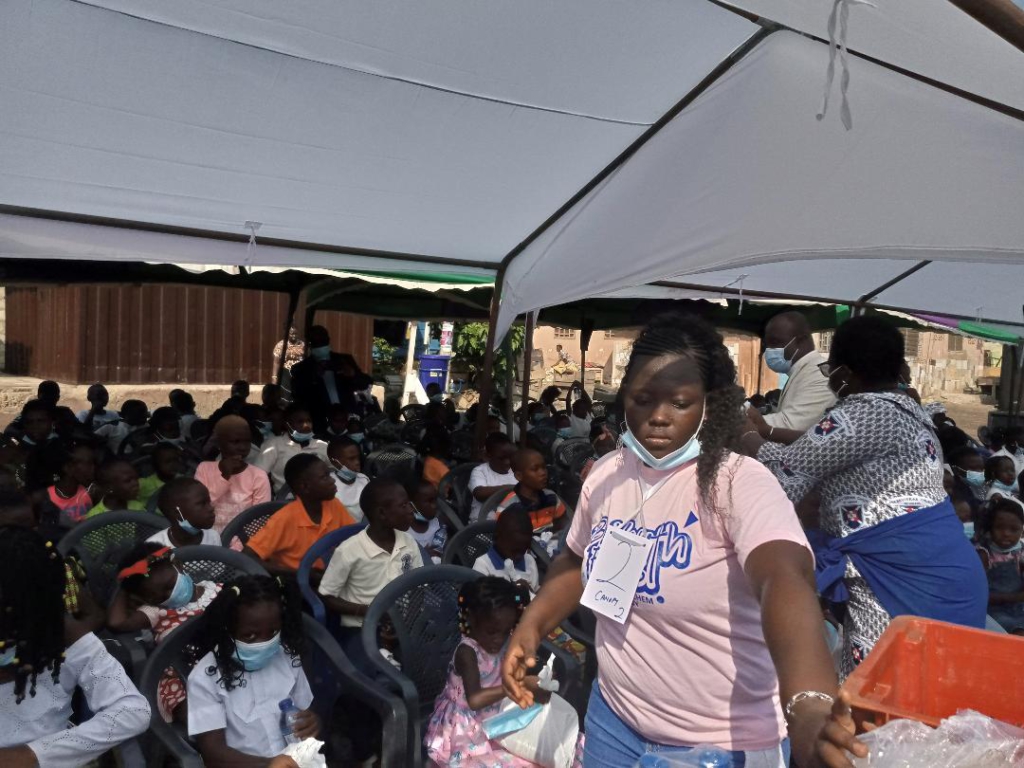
[[827, 735], [520, 657]]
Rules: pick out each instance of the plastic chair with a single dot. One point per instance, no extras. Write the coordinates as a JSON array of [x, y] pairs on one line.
[[469, 543], [543, 438], [249, 522], [328, 670], [492, 502], [570, 449], [424, 611], [454, 489], [397, 461], [412, 433], [102, 541], [449, 517], [323, 549], [414, 411], [153, 505], [464, 445], [217, 564]]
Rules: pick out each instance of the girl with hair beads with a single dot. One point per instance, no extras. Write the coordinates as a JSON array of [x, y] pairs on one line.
[[40, 667], [489, 609], [252, 663]]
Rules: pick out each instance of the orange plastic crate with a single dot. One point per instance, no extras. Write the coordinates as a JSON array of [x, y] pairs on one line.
[[928, 670]]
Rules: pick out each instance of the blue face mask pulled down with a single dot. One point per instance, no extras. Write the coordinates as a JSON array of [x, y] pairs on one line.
[[1004, 489], [356, 437], [418, 516], [301, 437], [185, 525], [974, 478], [8, 656], [565, 432], [182, 592], [688, 451], [345, 474], [321, 354], [254, 656]]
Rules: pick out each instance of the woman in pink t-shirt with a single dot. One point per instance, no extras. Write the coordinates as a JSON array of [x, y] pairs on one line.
[[234, 485], [724, 619]]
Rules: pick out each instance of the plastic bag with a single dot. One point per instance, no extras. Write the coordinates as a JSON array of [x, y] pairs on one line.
[[306, 753], [550, 738], [966, 740]]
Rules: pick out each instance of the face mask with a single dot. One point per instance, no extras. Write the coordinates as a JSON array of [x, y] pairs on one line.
[[688, 451], [438, 398], [969, 530], [974, 478], [254, 656], [345, 474], [1009, 550], [538, 418], [1003, 488], [265, 427], [301, 437], [418, 517], [356, 437], [185, 525], [172, 440], [565, 432], [775, 358], [182, 592], [902, 385], [321, 354], [7, 657]]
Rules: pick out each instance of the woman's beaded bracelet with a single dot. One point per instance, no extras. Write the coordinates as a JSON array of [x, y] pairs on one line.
[[803, 696]]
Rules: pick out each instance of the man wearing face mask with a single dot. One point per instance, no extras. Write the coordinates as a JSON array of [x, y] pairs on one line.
[[789, 349], [327, 378]]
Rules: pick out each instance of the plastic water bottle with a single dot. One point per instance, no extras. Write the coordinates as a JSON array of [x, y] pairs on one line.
[[289, 713], [698, 757]]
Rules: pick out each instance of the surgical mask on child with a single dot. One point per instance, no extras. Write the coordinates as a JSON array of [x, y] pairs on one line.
[[8, 656], [775, 358], [1006, 550], [565, 432], [417, 516], [969, 530], [254, 656], [974, 478], [182, 592], [179, 441], [1004, 489], [321, 354], [301, 437], [185, 525], [345, 474], [438, 398], [356, 437], [688, 451], [265, 427]]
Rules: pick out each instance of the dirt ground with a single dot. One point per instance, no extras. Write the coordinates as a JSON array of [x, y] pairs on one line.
[[968, 411]]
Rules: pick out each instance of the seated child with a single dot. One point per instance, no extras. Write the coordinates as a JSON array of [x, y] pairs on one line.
[[133, 417], [70, 494], [298, 439], [250, 662], [437, 446], [364, 564], [185, 502], [234, 484], [510, 557], [156, 594], [494, 475], [347, 460], [1002, 554], [119, 488], [1001, 474], [546, 510], [41, 668], [489, 609], [337, 423], [185, 406], [968, 472], [426, 529], [281, 544], [97, 414], [165, 426], [167, 465]]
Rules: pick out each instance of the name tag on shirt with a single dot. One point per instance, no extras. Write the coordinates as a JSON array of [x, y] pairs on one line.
[[615, 574]]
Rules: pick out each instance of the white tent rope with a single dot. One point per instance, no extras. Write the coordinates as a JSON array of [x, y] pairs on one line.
[[739, 280], [250, 250], [840, 9]]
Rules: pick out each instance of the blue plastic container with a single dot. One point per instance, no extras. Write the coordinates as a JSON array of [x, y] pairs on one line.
[[434, 370]]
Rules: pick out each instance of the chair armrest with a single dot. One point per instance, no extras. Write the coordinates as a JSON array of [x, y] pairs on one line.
[[571, 676], [449, 517]]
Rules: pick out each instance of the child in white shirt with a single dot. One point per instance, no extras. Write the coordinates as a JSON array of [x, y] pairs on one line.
[[510, 557], [494, 475], [299, 438], [347, 461]]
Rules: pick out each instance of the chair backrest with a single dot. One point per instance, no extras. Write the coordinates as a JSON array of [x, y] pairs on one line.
[[543, 438], [153, 505], [323, 548], [397, 461], [249, 522], [454, 488], [464, 445], [569, 450], [469, 543], [414, 411], [102, 541], [216, 564], [492, 502]]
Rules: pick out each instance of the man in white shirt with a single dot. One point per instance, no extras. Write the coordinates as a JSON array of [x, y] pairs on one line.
[[789, 349], [299, 439]]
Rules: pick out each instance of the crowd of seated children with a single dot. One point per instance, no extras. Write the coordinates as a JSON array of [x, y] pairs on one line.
[[1002, 554], [349, 481], [298, 439], [233, 483], [281, 543], [531, 494], [186, 504], [494, 474], [426, 529]]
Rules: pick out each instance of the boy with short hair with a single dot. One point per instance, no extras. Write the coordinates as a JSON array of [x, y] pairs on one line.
[[493, 475], [119, 486], [530, 494], [510, 557], [97, 414], [298, 439], [337, 422], [347, 462], [284, 540], [186, 504], [133, 416], [366, 563]]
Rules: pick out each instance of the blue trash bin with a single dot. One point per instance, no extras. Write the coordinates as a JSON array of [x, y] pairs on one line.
[[434, 370]]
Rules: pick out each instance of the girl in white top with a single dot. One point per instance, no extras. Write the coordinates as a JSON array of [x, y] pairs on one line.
[[252, 662], [39, 674]]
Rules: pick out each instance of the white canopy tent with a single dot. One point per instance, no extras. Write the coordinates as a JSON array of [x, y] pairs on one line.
[[572, 148]]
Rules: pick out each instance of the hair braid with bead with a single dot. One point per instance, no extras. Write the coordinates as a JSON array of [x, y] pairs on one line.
[[488, 594]]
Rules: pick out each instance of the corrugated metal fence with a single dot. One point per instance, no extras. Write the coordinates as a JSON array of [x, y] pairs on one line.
[[123, 334]]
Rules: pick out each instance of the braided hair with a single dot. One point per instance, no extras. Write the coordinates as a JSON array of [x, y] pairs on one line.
[[221, 620], [32, 599], [674, 333], [488, 594]]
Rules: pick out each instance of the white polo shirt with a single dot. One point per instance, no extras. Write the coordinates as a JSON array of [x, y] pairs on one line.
[[359, 569], [276, 452], [248, 714]]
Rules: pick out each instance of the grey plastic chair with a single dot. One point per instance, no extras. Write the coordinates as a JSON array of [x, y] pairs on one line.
[[424, 611], [100, 543], [249, 522], [330, 676], [397, 461], [492, 502], [217, 564], [568, 451], [464, 445], [469, 543], [454, 489]]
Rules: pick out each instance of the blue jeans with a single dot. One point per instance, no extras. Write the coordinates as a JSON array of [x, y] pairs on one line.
[[610, 743]]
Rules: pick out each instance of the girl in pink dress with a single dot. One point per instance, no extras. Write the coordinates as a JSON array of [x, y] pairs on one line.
[[489, 609], [234, 484]]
